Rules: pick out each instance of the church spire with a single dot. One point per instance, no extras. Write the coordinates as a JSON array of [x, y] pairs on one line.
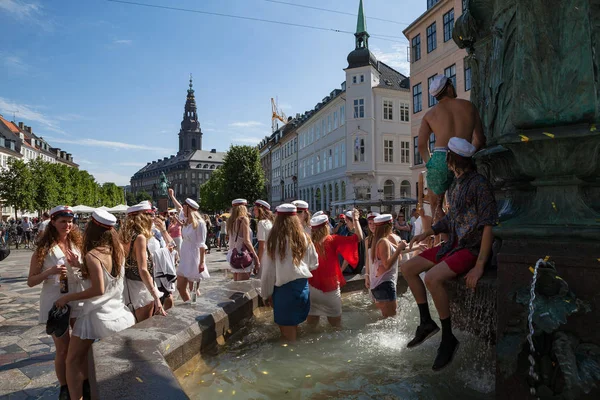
[[362, 37], [190, 135], [190, 103]]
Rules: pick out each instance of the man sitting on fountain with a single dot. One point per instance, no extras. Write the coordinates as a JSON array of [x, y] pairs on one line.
[[469, 221]]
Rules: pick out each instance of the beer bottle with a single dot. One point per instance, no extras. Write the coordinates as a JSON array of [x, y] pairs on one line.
[[64, 283]]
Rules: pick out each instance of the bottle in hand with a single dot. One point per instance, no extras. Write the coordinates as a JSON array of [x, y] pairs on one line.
[[64, 283]]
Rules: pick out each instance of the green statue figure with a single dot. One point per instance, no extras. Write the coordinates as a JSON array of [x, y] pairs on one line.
[[163, 185]]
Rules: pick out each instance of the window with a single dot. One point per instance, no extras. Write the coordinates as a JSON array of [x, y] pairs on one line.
[[343, 153], [404, 112], [450, 73], [362, 78], [388, 151], [335, 120], [431, 142], [431, 3], [405, 152], [354, 79], [448, 25], [405, 189], [431, 38], [432, 100], [329, 123], [318, 164], [416, 48], [467, 78], [317, 131], [330, 159], [417, 98], [336, 161], [343, 195], [323, 126], [325, 161], [342, 115], [359, 108], [388, 190], [388, 107], [359, 149], [417, 157]]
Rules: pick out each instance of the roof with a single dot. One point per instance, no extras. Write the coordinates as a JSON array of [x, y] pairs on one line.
[[392, 79], [10, 125], [190, 156]]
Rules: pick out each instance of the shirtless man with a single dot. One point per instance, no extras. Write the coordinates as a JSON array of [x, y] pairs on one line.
[[449, 118]]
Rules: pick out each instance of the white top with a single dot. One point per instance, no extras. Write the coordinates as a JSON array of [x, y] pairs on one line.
[[278, 272], [418, 227], [110, 305], [193, 241], [263, 230], [43, 225], [223, 225], [390, 275]]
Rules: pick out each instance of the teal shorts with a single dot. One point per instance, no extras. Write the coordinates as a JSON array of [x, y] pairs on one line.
[[439, 177]]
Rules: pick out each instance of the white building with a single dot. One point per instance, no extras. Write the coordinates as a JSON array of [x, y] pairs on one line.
[[355, 144]]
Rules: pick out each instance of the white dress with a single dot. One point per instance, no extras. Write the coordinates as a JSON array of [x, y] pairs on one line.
[[135, 292], [189, 258], [51, 286], [106, 314], [237, 242]]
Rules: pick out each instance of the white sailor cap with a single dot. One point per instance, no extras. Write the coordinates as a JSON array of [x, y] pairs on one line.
[[318, 213], [301, 205], [318, 221], [262, 203], [383, 219], [349, 214], [144, 206], [192, 203], [372, 215], [239, 202], [103, 218], [438, 85], [461, 147], [286, 209], [61, 211]]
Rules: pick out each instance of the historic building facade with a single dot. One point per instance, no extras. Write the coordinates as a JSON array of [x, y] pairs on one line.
[[189, 168], [433, 52], [354, 145]]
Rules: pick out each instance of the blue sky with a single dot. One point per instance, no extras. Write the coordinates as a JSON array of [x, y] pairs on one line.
[[107, 81]]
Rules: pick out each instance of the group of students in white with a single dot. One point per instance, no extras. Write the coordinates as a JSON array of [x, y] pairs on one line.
[[108, 280]]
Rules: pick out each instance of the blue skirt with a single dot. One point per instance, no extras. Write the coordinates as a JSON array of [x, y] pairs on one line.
[[291, 303]]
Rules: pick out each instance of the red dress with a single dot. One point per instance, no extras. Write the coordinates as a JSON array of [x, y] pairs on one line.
[[328, 275]]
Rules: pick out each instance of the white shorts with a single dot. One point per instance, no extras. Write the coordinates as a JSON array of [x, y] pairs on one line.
[[136, 293], [325, 304]]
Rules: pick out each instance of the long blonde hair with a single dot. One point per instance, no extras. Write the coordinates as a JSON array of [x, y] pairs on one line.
[[138, 223], [287, 232], [318, 236], [194, 218], [381, 232], [304, 218], [237, 212], [263, 213]]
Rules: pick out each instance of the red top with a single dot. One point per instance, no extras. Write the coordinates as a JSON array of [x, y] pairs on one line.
[[328, 275]]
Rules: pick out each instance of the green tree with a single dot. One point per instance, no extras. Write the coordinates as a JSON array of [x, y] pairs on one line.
[[141, 196], [111, 194], [45, 187], [242, 174], [130, 198], [16, 186], [212, 196]]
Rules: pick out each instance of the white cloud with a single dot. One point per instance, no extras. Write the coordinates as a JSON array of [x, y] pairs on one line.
[[14, 63], [109, 144], [123, 41], [108, 176], [132, 164], [28, 113], [247, 124], [19, 8], [249, 140], [69, 117], [395, 58]]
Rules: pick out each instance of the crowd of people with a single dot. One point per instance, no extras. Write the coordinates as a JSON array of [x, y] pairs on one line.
[[117, 273]]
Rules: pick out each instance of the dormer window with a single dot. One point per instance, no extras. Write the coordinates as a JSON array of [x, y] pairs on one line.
[[354, 80], [362, 78]]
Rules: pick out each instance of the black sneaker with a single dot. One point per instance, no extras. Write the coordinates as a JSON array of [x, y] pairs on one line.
[[424, 332], [64, 393], [445, 353]]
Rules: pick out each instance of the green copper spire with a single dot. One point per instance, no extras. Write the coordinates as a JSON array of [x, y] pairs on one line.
[[361, 24]]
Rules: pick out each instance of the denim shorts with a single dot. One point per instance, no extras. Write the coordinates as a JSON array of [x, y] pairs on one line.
[[385, 291]]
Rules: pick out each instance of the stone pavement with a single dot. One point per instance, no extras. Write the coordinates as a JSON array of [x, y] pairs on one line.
[[26, 352]]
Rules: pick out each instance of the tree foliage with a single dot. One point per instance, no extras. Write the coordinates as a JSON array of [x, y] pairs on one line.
[[211, 193], [39, 185], [242, 174], [141, 196]]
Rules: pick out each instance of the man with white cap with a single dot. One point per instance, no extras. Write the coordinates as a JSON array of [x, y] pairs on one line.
[[450, 117], [469, 221]]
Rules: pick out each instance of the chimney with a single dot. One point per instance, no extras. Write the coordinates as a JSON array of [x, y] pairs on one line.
[[28, 129], [21, 125]]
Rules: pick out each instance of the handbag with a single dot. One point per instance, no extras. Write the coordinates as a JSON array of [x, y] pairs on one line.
[[240, 259], [132, 271]]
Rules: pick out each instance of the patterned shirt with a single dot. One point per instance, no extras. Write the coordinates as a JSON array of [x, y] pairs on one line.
[[472, 206]]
